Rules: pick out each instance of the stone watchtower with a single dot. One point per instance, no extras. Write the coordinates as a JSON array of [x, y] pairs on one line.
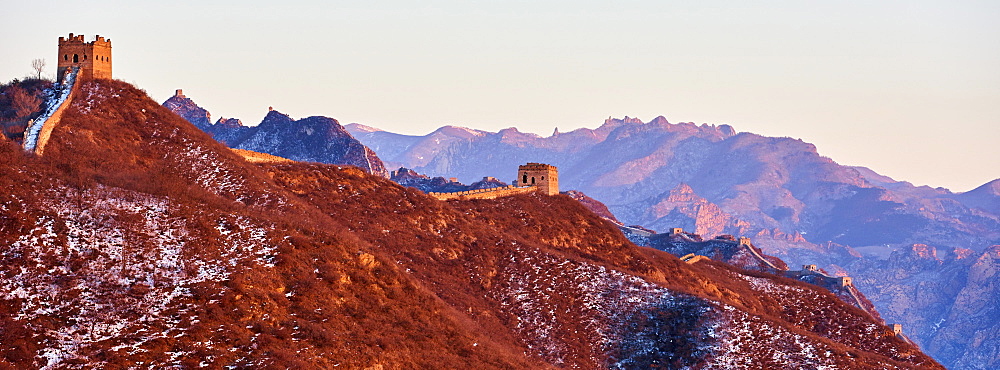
[[93, 58], [545, 177]]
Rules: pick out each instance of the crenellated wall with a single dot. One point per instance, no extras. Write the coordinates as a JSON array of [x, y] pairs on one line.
[[93, 58], [491, 193]]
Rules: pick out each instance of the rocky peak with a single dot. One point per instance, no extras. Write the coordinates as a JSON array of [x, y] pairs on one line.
[[357, 127], [186, 108], [992, 187], [987, 266], [659, 120], [916, 257], [275, 118], [683, 208], [683, 193], [727, 130]]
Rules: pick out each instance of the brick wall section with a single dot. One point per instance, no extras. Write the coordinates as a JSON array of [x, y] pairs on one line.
[[258, 157], [491, 193], [53, 120]]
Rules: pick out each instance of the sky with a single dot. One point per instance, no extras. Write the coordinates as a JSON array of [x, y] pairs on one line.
[[910, 89]]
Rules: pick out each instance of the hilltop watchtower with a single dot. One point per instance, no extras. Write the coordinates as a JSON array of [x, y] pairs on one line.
[[544, 176], [93, 58]]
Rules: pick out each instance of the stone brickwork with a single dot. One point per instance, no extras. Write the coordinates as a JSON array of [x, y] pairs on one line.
[[93, 58], [258, 157], [543, 176], [40, 129], [491, 193], [532, 177]]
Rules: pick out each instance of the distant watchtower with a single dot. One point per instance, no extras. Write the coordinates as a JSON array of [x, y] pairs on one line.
[[545, 177], [93, 58]]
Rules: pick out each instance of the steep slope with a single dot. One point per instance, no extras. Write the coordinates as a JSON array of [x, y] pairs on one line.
[[536, 256], [985, 197], [312, 139], [138, 241], [912, 284]]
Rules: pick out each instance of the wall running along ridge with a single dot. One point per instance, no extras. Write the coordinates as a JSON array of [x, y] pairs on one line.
[[491, 193], [40, 129]]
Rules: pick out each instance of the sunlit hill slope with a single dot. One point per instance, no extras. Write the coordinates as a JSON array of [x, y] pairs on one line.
[[139, 241]]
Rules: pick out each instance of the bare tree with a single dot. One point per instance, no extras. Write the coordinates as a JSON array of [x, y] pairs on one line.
[[38, 65]]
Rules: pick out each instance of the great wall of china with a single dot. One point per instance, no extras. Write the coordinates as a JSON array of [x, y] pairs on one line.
[[78, 61], [532, 177]]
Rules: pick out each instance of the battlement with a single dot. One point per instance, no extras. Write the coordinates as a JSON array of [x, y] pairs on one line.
[[845, 281], [79, 39], [535, 177], [489, 193], [93, 58], [536, 166]]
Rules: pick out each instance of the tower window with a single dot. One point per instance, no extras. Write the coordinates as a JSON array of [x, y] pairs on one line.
[[65, 56], [524, 179], [532, 180], [76, 58]]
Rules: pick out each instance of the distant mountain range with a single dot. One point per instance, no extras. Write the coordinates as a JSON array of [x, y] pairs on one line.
[[792, 201]]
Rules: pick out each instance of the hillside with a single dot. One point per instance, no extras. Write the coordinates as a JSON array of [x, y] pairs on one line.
[[138, 241], [711, 180]]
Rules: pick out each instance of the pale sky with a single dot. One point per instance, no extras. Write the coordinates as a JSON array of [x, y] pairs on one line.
[[910, 89]]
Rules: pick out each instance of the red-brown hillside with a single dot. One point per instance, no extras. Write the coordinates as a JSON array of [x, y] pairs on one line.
[[138, 241]]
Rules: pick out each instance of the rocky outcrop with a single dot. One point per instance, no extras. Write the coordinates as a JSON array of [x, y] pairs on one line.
[[920, 287], [681, 207], [971, 338], [312, 139], [189, 110]]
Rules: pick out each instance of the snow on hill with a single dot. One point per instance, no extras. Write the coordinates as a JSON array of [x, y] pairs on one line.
[[138, 241]]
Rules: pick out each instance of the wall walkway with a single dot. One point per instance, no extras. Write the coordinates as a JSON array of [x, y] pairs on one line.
[[40, 129], [491, 193]]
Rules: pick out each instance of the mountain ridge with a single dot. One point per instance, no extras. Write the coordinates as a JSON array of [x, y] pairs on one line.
[[795, 203], [141, 241], [312, 139]]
